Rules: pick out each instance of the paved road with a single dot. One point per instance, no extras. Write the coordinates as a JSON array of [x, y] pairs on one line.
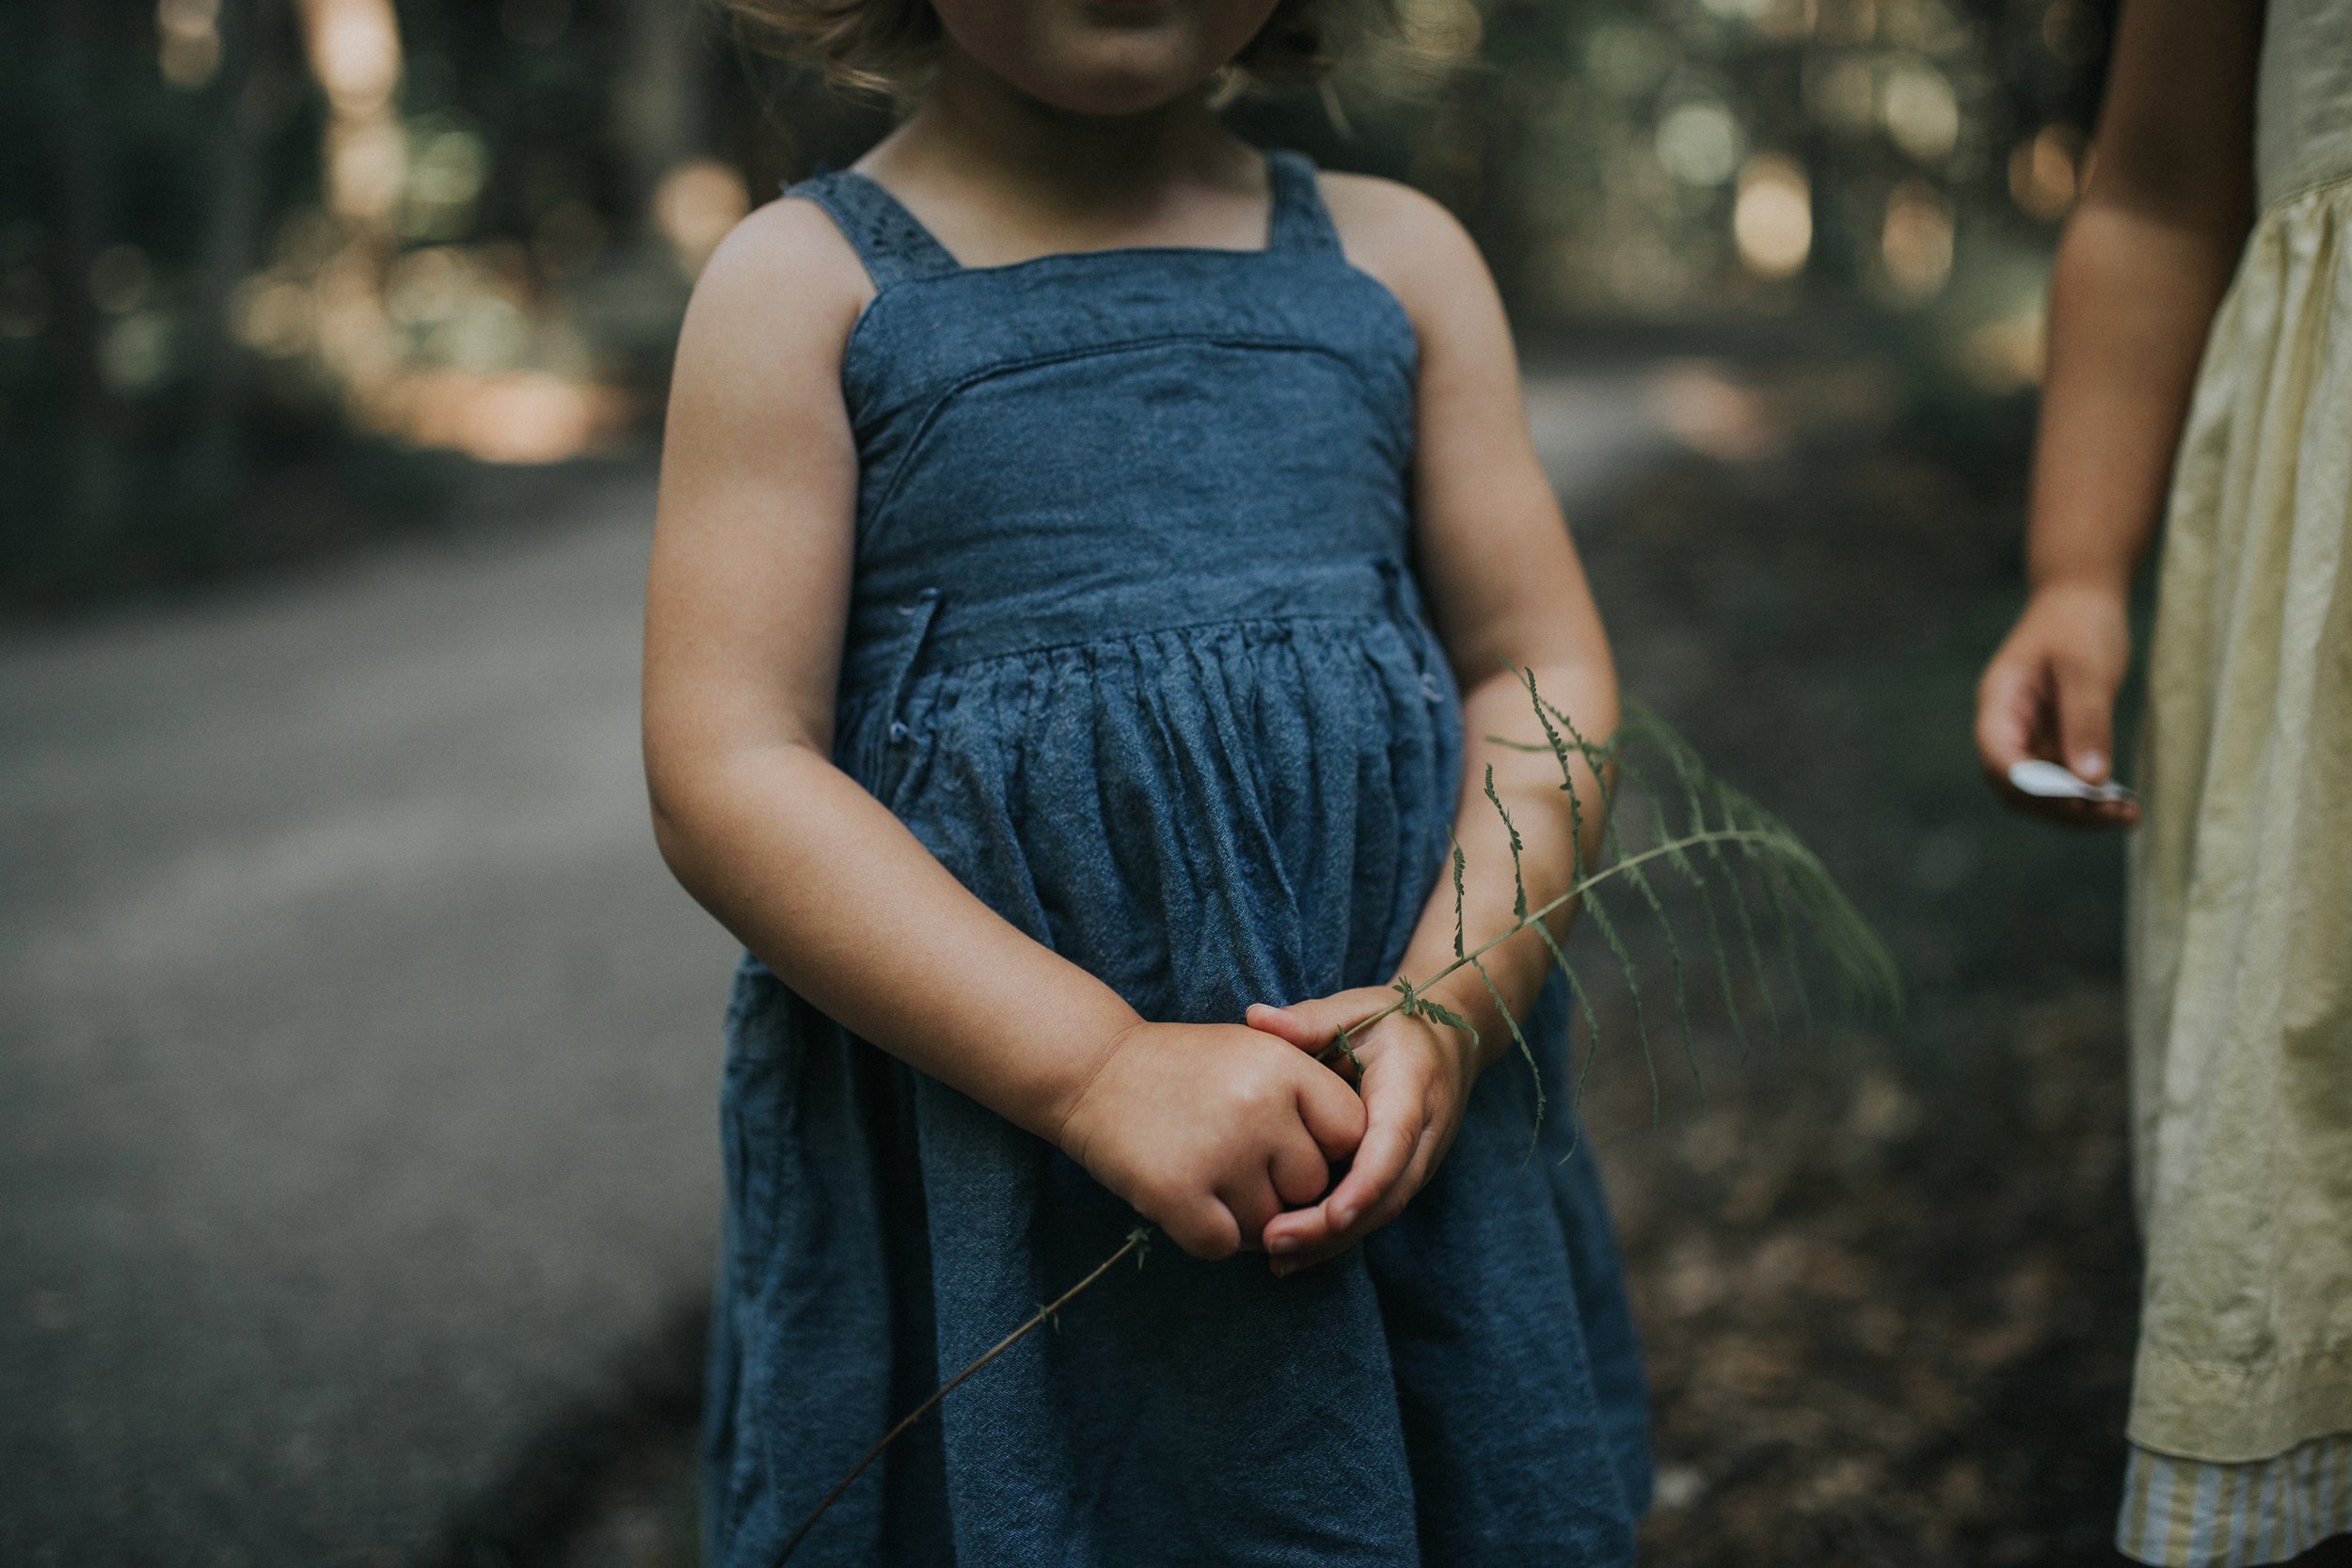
[[356, 1054], [357, 1057]]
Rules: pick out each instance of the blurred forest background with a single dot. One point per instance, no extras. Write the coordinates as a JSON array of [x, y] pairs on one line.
[[282, 277], [275, 273]]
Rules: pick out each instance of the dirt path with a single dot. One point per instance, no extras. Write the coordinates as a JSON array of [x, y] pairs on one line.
[[357, 1061]]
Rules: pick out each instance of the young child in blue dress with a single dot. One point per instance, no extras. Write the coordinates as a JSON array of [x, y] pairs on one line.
[[1085, 545]]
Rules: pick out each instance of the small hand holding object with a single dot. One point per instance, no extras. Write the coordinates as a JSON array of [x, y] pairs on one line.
[[2045, 708], [1416, 1079], [1210, 1131]]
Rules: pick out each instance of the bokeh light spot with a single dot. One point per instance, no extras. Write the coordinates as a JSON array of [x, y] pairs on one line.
[[135, 356], [355, 52], [2044, 171], [695, 205], [1773, 219], [187, 41], [1922, 114], [1699, 143], [1916, 242], [2008, 354]]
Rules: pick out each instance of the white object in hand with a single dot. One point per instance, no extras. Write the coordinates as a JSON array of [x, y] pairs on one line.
[[2050, 781]]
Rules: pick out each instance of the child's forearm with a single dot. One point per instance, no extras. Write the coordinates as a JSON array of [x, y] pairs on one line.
[[1528, 783], [2132, 296], [835, 896]]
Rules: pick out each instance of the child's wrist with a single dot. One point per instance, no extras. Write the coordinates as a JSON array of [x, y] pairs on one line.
[[1464, 995], [1047, 1105], [2102, 581]]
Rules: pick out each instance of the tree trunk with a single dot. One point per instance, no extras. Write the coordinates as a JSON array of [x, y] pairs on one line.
[[87, 456], [659, 96], [245, 99]]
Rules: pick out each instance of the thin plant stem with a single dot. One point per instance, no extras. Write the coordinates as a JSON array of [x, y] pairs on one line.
[[1137, 1239], [1713, 835]]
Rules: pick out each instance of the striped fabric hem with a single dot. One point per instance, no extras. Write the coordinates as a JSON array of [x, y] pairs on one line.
[[2190, 1513]]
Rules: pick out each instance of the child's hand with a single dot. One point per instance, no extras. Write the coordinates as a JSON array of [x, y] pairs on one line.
[[1211, 1130], [2050, 691], [1416, 1083]]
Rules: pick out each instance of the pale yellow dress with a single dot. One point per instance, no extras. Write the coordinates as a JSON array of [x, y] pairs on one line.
[[2241, 905]]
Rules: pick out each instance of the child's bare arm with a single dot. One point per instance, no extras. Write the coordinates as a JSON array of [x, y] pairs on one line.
[[2143, 263], [745, 612], [746, 607], [1507, 592]]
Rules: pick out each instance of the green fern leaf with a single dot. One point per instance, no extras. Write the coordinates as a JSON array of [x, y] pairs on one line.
[[1527, 1051]]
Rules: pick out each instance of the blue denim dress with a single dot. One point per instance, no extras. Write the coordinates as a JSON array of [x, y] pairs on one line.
[[1134, 651]]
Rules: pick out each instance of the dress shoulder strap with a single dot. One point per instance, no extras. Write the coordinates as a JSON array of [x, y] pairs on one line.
[[1300, 222], [891, 241]]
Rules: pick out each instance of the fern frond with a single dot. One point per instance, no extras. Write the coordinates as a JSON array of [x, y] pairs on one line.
[[1527, 1051], [1695, 880], [1592, 1039], [1519, 873], [1459, 862], [1639, 879], [1603, 760], [1607, 925], [1696, 785], [1436, 1012]]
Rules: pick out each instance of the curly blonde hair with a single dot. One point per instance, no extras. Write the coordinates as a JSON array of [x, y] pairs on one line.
[[887, 46]]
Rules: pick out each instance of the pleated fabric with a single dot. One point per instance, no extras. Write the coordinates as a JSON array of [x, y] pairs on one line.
[[1135, 651], [2241, 907]]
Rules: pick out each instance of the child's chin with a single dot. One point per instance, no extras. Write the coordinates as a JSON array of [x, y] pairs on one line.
[[1111, 98], [1118, 78]]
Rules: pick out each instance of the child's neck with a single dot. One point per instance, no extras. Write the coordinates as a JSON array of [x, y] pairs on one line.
[[1001, 174]]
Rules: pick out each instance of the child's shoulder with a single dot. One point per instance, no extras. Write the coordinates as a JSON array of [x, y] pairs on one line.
[[784, 279], [1404, 238]]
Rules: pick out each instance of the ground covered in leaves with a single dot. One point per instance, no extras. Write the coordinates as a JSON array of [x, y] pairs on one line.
[[1885, 1273], [1886, 1279]]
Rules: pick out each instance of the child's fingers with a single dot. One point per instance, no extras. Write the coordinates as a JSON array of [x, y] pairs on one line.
[[1250, 1202], [2086, 704], [1298, 1230], [2091, 814], [2015, 723], [2009, 710], [1380, 1159], [1389, 1205], [2069, 812], [1289, 1023], [1299, 1173], [1207, 1230], [1312, 1025], [1334, 1114]]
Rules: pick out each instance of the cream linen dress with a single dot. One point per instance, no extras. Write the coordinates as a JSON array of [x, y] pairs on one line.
[[2241, 900]]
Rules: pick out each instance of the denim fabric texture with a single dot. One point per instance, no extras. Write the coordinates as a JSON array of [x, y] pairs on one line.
[[1134, 651]]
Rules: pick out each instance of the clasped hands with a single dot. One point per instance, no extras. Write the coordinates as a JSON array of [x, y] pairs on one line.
[[1226, 1135]]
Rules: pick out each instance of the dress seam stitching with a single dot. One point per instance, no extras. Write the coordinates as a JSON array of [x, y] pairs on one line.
[[1366, 618]]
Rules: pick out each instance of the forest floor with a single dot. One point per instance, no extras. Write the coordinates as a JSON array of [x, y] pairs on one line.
[[1885, 1273], [1887, 1281]]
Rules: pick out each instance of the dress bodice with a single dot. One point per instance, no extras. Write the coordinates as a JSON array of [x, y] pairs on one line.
[[2303, 100], [1122, 440]]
